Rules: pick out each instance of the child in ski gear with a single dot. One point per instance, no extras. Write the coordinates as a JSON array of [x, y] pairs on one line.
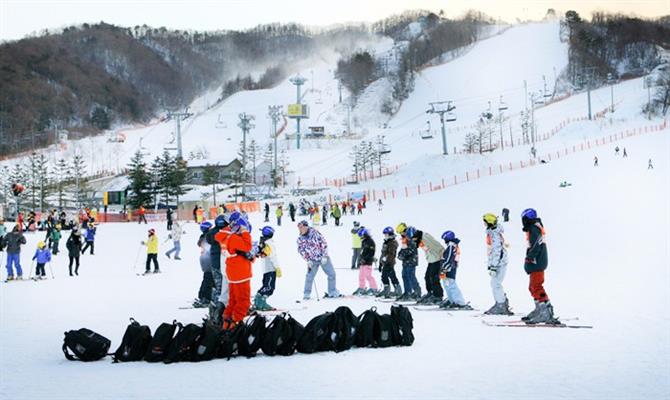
[[624, 152], [90, 237], [141, 215], [337, 214], [355, 246], [279, 213], [55, 239], [535, 264], [267, 212], [367, 259], [316, 217], [387, 264], [152, 251], [433, 251], [497, 264], [650, 165], [205, 292], [73, 246], [291, 211], [271, 271], [238, 271], [175, 235], [42, 256], [324, 214], [13, 240], [410, 259], [616, 151], [313, 248], [217, 237], [450, 259]]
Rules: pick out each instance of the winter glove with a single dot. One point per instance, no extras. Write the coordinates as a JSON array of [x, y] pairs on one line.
[[278, 272], [493, 271], [530, 260], [143, 243], [443, 275]]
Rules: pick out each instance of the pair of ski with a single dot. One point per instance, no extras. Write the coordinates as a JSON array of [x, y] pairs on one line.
[[340, 297], [147, 273], [558, 323]]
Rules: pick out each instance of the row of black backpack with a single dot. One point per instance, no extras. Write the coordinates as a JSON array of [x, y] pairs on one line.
[[175, 342]]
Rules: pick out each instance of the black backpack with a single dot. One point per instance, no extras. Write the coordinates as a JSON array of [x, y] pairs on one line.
[[160, 342], [365, 336], [317, 334], [86, 345], [295, 331], [276, 335], [252, 339], [229, 341], [134, 344], [403, 317], [386, 332], [184, 345], [345, 328], [209, 344]]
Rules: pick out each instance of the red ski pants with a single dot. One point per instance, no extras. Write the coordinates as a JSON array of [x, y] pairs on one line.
[[239, 301], [536, 288]]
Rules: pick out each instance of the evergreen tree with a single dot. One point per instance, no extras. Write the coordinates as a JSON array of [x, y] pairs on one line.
[[210, 176], [268, 157], [77, 175], [283, 163], [177, 178], [61, 173], [43, 183], [139, 181], [253, 152], [156, 181]]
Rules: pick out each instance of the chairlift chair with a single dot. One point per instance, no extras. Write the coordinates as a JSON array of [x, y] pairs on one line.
[[427, 134], [384, 148], [451, 116]]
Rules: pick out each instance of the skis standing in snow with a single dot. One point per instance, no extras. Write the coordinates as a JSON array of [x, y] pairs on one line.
[[313, 248], [387, 265], [271, 270], [497, 264], [535, 263], [366, 261]]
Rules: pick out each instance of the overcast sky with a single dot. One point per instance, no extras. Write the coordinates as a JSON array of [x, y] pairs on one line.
[[19, 18]]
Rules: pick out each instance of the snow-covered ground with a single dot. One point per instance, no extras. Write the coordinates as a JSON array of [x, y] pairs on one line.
[[608, 249]]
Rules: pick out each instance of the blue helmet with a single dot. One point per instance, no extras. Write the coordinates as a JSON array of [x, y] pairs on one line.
[[410, 231], [220, 221], [234, 216], [268, 231], [240, 223], [448, 235], [205, 226], [388, 231], [362, 231], [529, 213]]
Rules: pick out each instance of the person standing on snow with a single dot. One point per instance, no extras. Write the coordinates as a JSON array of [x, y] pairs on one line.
[[42, 256], [279, 213], [90, 237], [595, 161], [355, 246], [433, 251], [152, 251], [291, 211], [450, 259], [175, 235], [366, 261], [271, 271], [73, 246], [55, 239], [497, 264], [207, 283], [313, 248], [238, 270], [387, 265], [409, 256], [13, 240], [216, 237], [267, 212], [168, 214], [142, 217], [650, 165], [535, 264]]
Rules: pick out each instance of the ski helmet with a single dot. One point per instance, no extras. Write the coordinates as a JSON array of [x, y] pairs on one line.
[[205, 226], [268, 231], [234, 216], [448, 235], [529, 213], [409, 231], [220, 221], [401, 228], [41, 244], [388, 231], [357, 224], [152, 231], [490, 219], [362, 231]]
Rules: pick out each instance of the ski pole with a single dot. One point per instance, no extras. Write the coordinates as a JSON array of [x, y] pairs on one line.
[[316, 290], [137, 257], [30, 275], [51, 270]]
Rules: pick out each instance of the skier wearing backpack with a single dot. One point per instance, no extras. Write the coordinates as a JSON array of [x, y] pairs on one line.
[[205, 292], [535, 264], [271, 271], [152, 251], [367, 260], [408, 254], [313, 248], [433, 251], [497, 264], [355, 246], [387, 265], [449, 265], [238, 270]]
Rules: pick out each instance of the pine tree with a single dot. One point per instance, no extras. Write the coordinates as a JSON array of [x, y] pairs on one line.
[[177, 178], [355, 161], [5, 186], [268, 157], [155, 185], [43, 183], [210, 176], [77, 174], [61, 173], [253, 152], [32, 185], [283, 162], [139, 181]]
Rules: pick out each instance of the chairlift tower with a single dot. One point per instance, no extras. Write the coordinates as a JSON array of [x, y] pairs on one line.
[[298, 81], [178, 116], [246, 125], [442, 108], [274, 112]]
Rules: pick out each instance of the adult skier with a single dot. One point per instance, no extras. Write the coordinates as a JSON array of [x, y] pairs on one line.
[[152, 251], [73, 246], [175, 235], [13, 240], [497, 264], [267, 212], [535, 264], [168, 215], [313, 248], [291, 211], [337, 214], [387, 265], [279, 212], [238, 270]]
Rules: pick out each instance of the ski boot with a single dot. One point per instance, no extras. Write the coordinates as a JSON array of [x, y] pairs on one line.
[[371, 292], [359, 292], [446, 304], [397, 292], [385, 292], [500, 309], [11, 277], [260, 303], [404, 297], [435, 300], [200, 303], [545, 315], [425, 299], [533, 313]]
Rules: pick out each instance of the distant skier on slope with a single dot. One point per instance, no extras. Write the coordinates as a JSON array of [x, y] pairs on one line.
[[535, 264], [497, 264]]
